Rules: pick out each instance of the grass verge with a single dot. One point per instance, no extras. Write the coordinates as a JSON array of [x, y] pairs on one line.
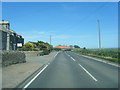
[[106, 54]]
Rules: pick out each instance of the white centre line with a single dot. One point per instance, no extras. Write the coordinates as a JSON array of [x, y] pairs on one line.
[[35, 77], [72, 58], [67, 54], [87, 72], [56, 54]]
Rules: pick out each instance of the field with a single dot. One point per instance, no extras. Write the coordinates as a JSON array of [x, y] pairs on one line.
[[106, 54]]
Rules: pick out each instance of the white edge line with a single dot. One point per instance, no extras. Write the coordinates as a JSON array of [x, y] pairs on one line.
[[88, 72], [35, 77], [101, 61]]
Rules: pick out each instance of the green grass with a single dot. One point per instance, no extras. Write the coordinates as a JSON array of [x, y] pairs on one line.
[[106, 54]]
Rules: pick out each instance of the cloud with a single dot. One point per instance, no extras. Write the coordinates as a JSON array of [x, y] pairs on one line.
[[43, 35], [35, 35], [71, 36], [40, 32]]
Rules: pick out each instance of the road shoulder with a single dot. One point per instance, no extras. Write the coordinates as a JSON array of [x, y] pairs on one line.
[[100, 60], [13, 75]]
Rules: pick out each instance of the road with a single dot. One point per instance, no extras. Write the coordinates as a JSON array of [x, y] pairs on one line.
[[69, 70]]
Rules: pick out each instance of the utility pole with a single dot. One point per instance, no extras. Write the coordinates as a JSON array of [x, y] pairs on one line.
[[99, 34]]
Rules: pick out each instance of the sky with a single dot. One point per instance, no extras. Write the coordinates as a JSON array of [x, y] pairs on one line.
[[68, 23]]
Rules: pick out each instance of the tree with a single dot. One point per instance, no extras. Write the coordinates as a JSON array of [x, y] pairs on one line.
[[41, 46], [84, 47], [71, 46], [36, 46], [76, 46], [28, 46]]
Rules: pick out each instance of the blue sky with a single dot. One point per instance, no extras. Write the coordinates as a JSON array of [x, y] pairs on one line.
[[68, 23]]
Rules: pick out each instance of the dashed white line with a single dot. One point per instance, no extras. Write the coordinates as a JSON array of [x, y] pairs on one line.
[[67, 54], [56, 54], [88, 72], [72, 58], [35, 77]]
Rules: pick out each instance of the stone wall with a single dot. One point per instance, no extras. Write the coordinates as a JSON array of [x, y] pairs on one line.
[[0, 58], [0, 40], [33, 53], [12, 57]]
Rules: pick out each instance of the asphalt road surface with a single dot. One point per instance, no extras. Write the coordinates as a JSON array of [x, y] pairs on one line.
[[69, 70]]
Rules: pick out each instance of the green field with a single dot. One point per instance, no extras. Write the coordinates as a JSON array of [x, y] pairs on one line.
[[106, 54]]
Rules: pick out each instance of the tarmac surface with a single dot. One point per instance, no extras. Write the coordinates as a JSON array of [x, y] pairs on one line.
[[69, 70]]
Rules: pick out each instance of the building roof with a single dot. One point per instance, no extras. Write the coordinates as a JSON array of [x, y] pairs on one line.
[[62, 47], [4, 22], [11, 32]]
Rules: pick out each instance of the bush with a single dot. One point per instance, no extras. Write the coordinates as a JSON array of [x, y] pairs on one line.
[[104, 53], [35, 49], [27, 47], [46, 52], [56, 49], [68, 50]]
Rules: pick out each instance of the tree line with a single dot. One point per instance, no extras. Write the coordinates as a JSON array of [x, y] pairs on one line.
[[37, 46]]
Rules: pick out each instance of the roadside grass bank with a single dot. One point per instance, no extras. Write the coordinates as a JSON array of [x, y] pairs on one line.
[[111, 55]]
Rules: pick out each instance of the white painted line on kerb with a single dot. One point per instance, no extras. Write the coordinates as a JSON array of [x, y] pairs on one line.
[[35, 76], [72, 58], [88, 72]]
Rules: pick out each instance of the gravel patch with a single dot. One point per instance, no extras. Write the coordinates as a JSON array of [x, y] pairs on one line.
[[42, 59]]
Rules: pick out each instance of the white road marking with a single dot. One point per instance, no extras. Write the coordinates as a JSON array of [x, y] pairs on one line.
[[99, 60], [67, 54], [72, 58], [35, 77], [87, 72], [56, 54]]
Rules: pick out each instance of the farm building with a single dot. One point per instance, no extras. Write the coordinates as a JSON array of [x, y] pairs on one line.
[[62, 47]]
